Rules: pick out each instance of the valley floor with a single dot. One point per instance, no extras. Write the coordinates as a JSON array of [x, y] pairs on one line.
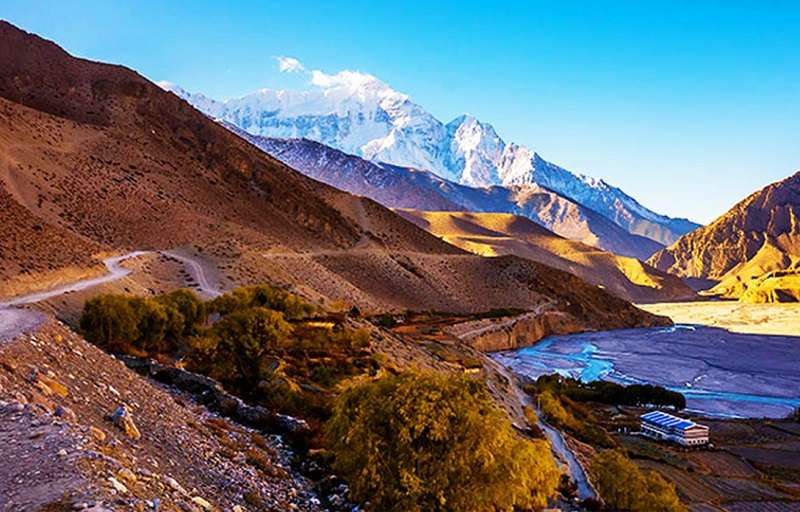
[[776, 319]]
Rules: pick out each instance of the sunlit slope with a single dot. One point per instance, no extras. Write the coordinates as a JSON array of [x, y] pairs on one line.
[[496, 234], [758, 236]]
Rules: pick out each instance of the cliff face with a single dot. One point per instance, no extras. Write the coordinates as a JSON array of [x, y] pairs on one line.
[[525, 330], [760, 234]]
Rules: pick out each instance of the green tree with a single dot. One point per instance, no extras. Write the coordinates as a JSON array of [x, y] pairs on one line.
[[153, 322], [110, 322], [624, 486], [434, 442], [240, 347], [191, 310]]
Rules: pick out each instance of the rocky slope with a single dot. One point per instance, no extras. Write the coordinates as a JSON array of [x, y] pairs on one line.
[[759, 235], [403, 187], [65, 445], [494, 234], [108, 161], [361, 115]]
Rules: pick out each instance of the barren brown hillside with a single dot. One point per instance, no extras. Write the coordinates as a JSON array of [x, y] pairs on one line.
[[495, 234], [95, 158], [759, 235]]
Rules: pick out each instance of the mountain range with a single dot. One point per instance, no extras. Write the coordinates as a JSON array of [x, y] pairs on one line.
[[496, 234], [96, 159], [404, 187], [361, 115]]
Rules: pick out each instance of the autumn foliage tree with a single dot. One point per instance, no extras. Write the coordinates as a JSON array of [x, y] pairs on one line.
[[434, 442]]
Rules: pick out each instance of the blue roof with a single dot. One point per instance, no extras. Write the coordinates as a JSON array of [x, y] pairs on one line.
[[665, 420]]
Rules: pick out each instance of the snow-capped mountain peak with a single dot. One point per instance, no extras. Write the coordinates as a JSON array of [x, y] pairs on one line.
[[357, 113]]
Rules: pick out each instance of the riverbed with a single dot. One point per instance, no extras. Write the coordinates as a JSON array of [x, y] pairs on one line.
[[721, 373]]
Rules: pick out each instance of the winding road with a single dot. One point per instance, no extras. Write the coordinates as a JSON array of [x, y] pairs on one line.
[[197, 271], [15, 321]]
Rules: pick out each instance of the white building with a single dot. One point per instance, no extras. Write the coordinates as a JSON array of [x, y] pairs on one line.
[[663, 426]]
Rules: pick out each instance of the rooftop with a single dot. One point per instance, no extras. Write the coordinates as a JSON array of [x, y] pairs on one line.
[[665, 420]]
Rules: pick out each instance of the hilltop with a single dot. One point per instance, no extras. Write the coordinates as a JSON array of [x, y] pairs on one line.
[[752, 251], [495, 234]]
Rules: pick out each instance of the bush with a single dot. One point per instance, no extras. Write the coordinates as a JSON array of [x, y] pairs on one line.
[[564, 413], [624, 486], [422, 441], [190, 308], [110, 322], [610, 392], [239, 349], [131, 324]]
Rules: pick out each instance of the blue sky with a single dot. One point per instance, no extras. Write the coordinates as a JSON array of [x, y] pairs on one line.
[[687, 106]]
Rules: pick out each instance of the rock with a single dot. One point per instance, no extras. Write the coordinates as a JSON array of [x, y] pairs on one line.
[[37, 399], [238, 508], [54, 385], [174, 484], [200, 502], [117, 485], [97, 433], [62, 452], [122, 419], [291, 424], [65, 413], [127, 475]]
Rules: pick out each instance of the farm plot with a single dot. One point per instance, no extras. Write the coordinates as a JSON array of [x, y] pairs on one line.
[[690, 488], [763, 506], [740, 489], [769, 457], [723, 464]]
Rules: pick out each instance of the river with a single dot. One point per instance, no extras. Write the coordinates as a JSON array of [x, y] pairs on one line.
[[721, 373]]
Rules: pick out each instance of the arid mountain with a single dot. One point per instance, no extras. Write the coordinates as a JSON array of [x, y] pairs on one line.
[[403, 187], [495, 234], [758, 236], [95, 158]]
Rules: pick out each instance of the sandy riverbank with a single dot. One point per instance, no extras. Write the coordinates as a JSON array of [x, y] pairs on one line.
[[778, 319]]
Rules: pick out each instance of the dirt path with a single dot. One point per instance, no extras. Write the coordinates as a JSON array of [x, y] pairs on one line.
[[195, 268], [15, 321]]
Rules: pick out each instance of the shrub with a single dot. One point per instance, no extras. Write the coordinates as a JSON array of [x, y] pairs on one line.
[[624, 486], [610, 392], [421, 441], [238, 348], [121, 323], [110, 322], [189, 306]]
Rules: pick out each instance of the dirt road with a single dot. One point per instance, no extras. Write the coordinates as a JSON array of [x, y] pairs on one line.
[[15, 320]]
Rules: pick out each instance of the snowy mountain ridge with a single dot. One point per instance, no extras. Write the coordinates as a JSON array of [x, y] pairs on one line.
[[359, 114]]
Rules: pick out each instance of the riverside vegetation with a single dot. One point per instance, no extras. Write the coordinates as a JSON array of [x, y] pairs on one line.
[[403, 440], [560, 403]]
